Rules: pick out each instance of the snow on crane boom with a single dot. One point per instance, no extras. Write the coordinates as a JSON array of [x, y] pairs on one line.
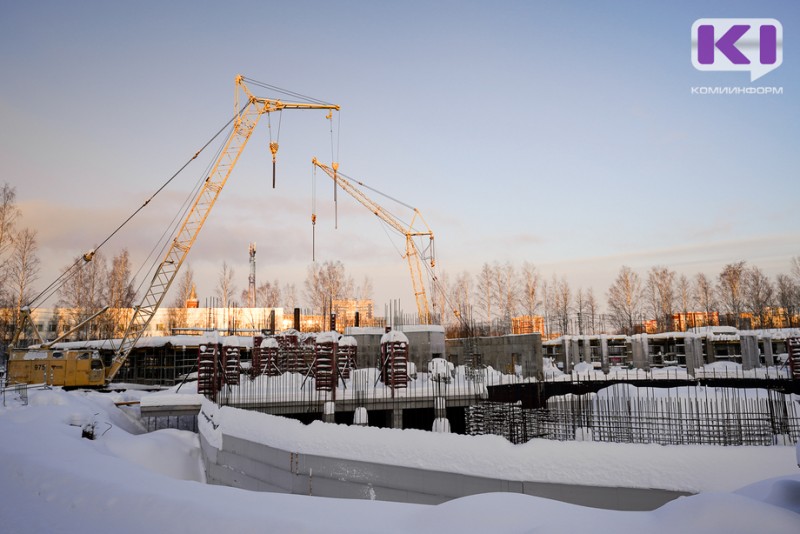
[[412, 253]]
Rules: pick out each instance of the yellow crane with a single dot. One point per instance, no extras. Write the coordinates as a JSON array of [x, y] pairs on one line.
[[248, 110], [412, 254], [246, 120]]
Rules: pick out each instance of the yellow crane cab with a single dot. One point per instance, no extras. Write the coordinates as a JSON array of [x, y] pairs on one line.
[[69, 368]]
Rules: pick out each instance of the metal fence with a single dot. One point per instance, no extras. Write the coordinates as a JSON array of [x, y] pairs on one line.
[[17, 392]]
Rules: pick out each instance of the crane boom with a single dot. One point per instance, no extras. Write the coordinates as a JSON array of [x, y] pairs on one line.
[[245, 122], [412, 253]]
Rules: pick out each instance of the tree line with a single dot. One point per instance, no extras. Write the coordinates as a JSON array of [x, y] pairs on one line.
[[740, 295], [20, 264]]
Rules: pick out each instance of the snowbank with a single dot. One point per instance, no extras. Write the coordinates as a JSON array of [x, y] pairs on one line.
[[689, 468], [52, 480]]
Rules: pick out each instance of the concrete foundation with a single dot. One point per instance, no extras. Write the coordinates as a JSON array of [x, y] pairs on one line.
[[425, 342], [254, 466], [501, 352]]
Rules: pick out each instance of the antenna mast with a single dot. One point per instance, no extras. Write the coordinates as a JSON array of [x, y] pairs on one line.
[[251, 291]]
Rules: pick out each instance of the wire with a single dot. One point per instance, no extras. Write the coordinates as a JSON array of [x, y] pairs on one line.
[[179, 216], [362, 184], [286, 92], [338, 133], [61, 280]]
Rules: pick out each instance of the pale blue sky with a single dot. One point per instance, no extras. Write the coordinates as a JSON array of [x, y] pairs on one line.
[[560, 133]]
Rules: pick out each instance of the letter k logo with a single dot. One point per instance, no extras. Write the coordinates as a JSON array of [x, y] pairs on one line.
[[753, 45], [726, 44]]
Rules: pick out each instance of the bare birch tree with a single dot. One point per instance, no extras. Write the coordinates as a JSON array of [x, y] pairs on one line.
[[730, 286], [530, 289], [704, 296], [547, 299], [9, 213], [684, 298], [364, 290], [593, 309], [505, 288], [178, 315], [580, 309], [289, 296], [758, 295], [660, 290], [562, 303], [325, 283], [22, 271], [484, 292], [795, 268], [625, 300], [787, 295], [119, 296], [84, 293], [225, 286], [461, 295], [268, 295]]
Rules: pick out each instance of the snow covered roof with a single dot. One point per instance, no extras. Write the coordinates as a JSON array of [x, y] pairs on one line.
[[159, 341], [717, 333]]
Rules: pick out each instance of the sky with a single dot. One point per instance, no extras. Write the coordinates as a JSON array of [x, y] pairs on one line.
[[563, 134], [128, 480]]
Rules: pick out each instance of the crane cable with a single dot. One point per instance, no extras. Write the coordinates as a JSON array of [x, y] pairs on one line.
[[173, 225], [287, 92], [88, 256], [335, 166], [313, 212]]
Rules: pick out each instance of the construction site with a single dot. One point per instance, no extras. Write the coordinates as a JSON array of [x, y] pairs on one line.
[[342, 364]]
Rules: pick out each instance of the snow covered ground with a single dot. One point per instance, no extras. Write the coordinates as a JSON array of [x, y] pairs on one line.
[[52, 480]]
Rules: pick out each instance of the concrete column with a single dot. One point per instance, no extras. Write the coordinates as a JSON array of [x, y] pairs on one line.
[[360, 416], [538, 357], [749, 347], [329, 412], [710, 351], [565, 344], [769, 358], [646, 352], [690, 350], [639, 352], [604, 353], [396, 418], [575, 351], [587, 350]]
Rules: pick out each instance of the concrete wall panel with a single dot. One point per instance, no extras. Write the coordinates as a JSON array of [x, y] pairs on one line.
[[249, 465]]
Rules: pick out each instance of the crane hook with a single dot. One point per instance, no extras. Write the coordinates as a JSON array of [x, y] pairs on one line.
[[273, 147], [313, 237]]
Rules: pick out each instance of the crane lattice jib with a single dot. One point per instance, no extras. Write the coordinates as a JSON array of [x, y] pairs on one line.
[[412, 252], [243, 126]]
